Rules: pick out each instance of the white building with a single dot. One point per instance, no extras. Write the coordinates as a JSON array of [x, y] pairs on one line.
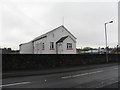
[[57, 41]]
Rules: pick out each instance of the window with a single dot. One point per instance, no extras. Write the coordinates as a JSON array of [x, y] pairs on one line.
[[69, 46], [51, 45], [53, 35], [43, 46]]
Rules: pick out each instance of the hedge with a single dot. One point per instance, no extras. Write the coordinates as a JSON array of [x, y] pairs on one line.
[[14, 62]]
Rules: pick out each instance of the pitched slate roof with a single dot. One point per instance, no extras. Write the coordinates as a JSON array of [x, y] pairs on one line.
[[40, 38], [61, 39], [52, 31]]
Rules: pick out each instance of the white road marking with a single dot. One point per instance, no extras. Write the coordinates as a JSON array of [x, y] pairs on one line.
[[81, 74], [13, 84]]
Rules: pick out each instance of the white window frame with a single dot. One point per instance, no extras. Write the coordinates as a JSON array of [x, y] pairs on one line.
[[69, 46], [43, 46], [51, 45]]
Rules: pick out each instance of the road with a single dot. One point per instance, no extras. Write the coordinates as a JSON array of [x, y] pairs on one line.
[[89, 78], [114, 85]]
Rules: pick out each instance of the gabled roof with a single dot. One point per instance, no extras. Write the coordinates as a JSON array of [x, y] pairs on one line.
[[68, 31], [25, 43], [39, 37], [61, 39]]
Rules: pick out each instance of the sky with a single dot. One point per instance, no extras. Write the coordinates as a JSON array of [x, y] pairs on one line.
[[24, 20]]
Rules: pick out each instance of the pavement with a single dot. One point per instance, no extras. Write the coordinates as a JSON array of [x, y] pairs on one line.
[[95, 77]]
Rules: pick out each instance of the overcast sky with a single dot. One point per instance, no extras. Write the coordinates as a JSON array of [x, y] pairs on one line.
[[22, 21]]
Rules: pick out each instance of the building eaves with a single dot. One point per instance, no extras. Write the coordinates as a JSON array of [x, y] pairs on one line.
[[61, 39], [37, 38], [25, 43], [45, 34], [68, 31]]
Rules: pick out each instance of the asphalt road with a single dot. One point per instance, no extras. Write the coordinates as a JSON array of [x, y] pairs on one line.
[[114, 85], [92, 78]]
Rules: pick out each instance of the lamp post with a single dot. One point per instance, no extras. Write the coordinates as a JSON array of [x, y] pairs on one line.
[[106, 40]]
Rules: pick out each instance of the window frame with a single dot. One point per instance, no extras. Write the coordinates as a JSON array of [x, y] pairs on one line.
[[69, 46], [51, 45], [43, 46]]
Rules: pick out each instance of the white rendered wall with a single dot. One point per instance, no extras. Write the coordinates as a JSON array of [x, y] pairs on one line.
[[26, 48], [38, 50], [53, 36], [61, 32], [65, 51]]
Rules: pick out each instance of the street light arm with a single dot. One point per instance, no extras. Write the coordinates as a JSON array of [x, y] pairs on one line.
[[109, 22]]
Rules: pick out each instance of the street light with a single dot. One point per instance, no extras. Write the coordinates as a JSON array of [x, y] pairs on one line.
[[106, 40]]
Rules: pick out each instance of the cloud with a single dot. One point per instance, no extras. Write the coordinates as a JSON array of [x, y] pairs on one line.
[[22, 22]]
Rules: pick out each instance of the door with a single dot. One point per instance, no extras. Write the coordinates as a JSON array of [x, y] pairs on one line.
[[59, 48], [40, 48]]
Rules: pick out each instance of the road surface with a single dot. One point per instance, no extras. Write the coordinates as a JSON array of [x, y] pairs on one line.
[[89, 78], [114, 85]]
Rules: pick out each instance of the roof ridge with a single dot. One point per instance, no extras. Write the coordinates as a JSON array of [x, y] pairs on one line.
[[52, 31], [47, 32]]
